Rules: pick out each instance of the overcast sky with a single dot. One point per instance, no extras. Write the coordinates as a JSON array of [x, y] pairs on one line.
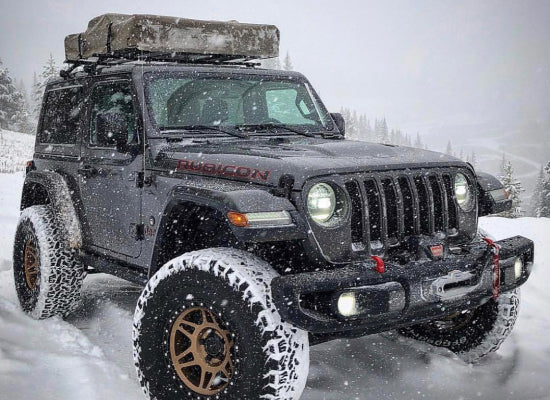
[[415, 62]]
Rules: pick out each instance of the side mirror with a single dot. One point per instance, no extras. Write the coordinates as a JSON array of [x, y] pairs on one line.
[[340, 122], [112, 130]]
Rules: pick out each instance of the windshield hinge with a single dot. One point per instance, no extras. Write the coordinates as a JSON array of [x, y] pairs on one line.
[[284, 188]]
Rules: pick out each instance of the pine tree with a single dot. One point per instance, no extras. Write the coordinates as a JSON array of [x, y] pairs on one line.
[[473, 160], [381, 131], [287, 63], [502, 164], [36, 98], [49, 70], [514, 188], [351, 125], [23, 89], [13, 110], [271, 63], [536, 199], [449, 150], [418, 142], [545, 196]]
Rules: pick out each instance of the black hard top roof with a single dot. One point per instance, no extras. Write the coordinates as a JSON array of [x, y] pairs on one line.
[[160, 67]]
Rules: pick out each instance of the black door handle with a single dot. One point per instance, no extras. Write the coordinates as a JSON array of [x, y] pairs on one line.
[[87, 171]]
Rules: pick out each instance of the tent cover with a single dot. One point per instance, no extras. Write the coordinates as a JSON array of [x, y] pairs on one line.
[[121, 34]]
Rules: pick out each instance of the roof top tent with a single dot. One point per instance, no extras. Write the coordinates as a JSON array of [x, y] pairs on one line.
[[153, 37]]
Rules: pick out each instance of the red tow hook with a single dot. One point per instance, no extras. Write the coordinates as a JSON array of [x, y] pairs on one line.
[[380, 268], [495, 249]]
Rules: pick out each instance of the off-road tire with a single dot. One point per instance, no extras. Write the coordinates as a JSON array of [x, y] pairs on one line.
[[59, 272], [271, 357], [488, 326]]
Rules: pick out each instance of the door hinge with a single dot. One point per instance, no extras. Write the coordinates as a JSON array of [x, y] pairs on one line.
[[137, 231]]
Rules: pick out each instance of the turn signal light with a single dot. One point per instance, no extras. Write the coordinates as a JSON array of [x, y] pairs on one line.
[[238, 219]]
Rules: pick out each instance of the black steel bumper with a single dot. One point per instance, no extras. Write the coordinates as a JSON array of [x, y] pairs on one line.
[[404, 294]]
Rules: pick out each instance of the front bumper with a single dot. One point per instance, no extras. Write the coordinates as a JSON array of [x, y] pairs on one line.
[[404, 294]]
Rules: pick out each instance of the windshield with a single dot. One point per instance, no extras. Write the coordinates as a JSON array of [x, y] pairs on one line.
[[234, 102]]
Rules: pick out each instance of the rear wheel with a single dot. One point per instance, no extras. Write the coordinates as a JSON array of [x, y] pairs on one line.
[[205, 327], [48, 275]]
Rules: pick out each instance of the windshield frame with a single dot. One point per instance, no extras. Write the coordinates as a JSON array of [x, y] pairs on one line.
[[150, 76]]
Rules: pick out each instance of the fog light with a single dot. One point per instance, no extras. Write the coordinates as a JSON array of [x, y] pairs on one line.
[[518, 268], [347, 304]]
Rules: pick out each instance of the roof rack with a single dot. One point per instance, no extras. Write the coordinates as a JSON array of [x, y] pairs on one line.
[[91, 64]]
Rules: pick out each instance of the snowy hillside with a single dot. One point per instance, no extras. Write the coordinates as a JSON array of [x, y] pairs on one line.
[[88, 357], [15, 149]]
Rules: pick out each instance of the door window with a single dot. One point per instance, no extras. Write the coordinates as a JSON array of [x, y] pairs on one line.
[[116, 98]]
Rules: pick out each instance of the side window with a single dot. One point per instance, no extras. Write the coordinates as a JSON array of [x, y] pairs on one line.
[[115, 98], [61, 121]]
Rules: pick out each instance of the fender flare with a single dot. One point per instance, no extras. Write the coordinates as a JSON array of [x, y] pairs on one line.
[[59, 196], [247, 200]]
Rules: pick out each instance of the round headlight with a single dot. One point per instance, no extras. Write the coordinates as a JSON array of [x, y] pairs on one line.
[[321, 202], [463, 192]]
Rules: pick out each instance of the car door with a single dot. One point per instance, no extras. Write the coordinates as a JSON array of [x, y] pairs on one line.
[[109, 191]]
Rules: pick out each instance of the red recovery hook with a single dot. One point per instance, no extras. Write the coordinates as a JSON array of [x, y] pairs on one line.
[[495, 249], [380, 268]]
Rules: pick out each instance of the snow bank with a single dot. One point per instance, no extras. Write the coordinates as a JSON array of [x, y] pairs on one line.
[[90, 355], [15, 149]]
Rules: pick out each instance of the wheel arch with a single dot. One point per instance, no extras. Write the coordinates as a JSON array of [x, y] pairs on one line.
[[183, 226], [203, 211], [51, 188]]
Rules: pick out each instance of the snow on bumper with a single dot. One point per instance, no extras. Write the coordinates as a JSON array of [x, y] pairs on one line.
[[402, 295]]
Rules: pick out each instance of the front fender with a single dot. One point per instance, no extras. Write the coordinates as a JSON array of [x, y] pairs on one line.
[[492, 196], [244, 200]]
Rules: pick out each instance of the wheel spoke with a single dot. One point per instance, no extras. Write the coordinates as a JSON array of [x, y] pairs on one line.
[[203, 314], [188, 364], [211, 380], [184, 354], [190, 335], [202, 382]]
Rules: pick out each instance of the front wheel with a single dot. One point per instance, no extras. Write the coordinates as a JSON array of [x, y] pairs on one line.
[[472, 334], [205, 327]]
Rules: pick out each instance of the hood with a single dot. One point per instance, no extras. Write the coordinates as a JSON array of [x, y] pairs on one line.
[[265, 160]]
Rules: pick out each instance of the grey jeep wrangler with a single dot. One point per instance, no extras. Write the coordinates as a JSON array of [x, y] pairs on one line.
[[256, 228]]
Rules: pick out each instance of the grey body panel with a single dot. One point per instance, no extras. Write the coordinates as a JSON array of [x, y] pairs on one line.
[[160, 161]]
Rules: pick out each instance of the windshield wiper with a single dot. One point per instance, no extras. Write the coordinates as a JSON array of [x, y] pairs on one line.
[[207, 127], [273, 125]]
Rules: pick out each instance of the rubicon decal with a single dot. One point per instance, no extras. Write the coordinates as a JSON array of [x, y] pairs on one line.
[[238, 171]]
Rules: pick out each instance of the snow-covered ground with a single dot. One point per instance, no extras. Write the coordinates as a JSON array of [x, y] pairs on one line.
[[16, 148], [89, 356]]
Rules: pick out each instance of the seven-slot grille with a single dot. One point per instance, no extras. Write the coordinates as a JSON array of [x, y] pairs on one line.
[[387, 208]]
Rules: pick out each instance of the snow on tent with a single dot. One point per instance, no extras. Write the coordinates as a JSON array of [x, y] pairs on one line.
[[169, 37]]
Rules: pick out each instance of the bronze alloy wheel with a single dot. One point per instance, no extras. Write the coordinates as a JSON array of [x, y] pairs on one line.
[[30, 262], [201, 351]]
